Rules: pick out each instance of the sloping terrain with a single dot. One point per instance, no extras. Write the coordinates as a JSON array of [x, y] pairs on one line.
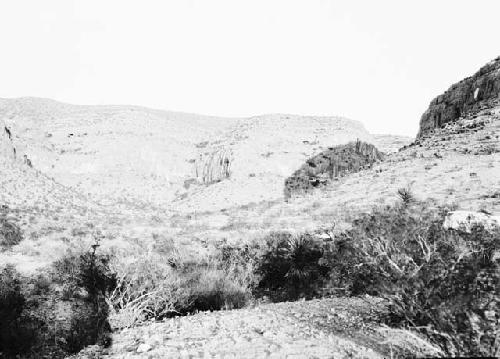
[[126, 170], [134, 174], [458, 162], [136, 155], [329, 328]]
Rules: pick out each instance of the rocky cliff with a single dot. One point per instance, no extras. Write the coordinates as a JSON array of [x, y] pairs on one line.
[[471, 94]]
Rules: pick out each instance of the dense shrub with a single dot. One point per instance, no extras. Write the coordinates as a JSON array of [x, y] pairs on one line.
[[441, 282], [150, 287], [215, 289], [51, 316], [446, 283], [10, 233], [15, 336], [291, 267], [87, 281]]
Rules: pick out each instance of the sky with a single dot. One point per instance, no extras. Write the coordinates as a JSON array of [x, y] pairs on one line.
[[379, 62]]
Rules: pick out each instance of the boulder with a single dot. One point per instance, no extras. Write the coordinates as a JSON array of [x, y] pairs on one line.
[[466, 220], [336, 162]]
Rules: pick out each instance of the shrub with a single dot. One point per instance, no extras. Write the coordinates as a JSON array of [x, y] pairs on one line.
[[291, 267], [152, 288], [10, 233], [17, 334], [446, 283], [148, 287], [87, 281], [213, 289], [406, 195], [456, 295]]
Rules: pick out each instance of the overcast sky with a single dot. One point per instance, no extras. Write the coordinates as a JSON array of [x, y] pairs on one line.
[[379, 62]]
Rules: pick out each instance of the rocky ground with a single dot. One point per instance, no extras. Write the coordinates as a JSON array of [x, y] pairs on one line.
[[326, 328]]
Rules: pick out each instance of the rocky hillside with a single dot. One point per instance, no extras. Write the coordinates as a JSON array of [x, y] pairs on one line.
[[138, 156], [471, 94], [150, 178]]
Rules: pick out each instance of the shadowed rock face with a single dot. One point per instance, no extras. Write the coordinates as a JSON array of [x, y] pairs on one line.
[[470, 94], [335, 162]]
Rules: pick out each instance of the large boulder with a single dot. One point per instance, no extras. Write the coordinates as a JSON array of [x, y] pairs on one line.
[[466, 220], [469, 95], [336, 162]]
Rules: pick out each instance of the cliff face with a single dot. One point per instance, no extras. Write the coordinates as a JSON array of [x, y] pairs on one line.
[[471, 94]]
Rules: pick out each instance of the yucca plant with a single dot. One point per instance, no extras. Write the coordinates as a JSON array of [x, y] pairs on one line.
[[291, 267]]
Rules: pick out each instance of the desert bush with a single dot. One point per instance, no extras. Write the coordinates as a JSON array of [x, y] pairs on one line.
[[148, 287], [445, 283], [152, 288], [10, 233], [86, 282], [291, 267], [406, 195], [214, 289], [16, 337]]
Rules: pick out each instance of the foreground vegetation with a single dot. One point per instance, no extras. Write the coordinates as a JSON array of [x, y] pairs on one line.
[[442, 283]]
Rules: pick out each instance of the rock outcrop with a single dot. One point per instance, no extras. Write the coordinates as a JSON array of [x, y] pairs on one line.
[[335, 162], [7, 149], [469, 95], [214, 167]]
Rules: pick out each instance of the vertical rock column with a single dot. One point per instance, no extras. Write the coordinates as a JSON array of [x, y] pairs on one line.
[[214, 167]]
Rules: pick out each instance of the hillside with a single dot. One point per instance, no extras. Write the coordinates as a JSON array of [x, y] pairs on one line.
[[156, 183], [137, 155], [131, 171], [456, 164]]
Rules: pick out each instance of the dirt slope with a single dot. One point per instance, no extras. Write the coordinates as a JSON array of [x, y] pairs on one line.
[[328, 328]]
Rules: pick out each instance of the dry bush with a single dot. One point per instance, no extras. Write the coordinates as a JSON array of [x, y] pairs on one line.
[[15, 337], [151, 287], [147, 288], [10, 233], [291, 267], [87, 280], [443, 283]]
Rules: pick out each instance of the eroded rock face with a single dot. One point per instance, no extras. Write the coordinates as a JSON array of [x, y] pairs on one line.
[[471, 94], [214, 166], [336, 162]]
